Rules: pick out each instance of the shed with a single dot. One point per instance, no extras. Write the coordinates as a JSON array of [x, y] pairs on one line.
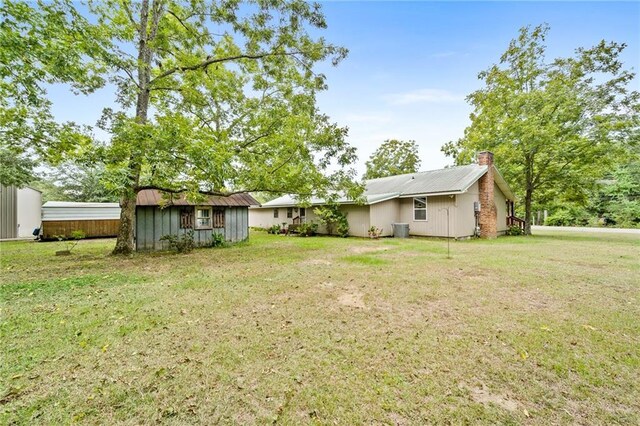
[[94, 219], [157, 216], [19, 211]]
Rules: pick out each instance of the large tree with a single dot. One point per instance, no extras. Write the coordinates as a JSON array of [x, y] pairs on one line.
[[554, 126], [215, 97], [393, 157]]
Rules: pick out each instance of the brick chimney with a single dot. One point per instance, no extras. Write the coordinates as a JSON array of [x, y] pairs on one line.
[[488, 219]]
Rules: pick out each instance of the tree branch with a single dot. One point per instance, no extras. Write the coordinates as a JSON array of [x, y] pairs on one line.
[[218, 193], [211, 61]]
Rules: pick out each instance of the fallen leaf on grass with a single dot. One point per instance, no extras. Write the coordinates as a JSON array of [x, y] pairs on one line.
[[588, 327], [524, 355]]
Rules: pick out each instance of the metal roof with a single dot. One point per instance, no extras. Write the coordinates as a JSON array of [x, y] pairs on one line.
[[153, 197], [67, 210], [73, 204], [452, 180]]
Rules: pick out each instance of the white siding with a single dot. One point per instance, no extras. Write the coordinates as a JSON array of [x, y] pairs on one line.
[[384, 214], [466, 219], [501, 206], [29, 211], [436, 223], [358, 218]]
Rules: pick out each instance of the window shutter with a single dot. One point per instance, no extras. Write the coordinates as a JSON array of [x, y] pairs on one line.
[[186, 219], [218, 218]]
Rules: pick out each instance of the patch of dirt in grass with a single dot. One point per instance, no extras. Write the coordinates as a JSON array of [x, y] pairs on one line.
[[316, 262], [470, 274], [352, 299], [363, 250], [483, 396], [326, 285]]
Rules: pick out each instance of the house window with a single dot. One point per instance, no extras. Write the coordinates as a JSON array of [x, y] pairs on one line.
[[275, 213], [289, 212], [203, 218], [303, 212], [420, 208]]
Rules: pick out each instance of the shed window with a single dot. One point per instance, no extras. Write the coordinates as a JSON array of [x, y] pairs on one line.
[[186, 219], [275, 213], [420, 208], [218, 218], [289, 212], [203, 217]]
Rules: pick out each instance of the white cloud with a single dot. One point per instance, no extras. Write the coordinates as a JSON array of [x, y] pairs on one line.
[[423, 96]]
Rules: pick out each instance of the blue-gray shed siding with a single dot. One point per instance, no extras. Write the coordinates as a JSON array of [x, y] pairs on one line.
[[153, 222]]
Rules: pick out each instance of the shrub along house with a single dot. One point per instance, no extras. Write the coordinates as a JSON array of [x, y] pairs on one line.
[[157, 216], [478, 200]]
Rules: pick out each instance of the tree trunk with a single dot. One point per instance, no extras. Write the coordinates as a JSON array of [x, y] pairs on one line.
[[126, 233], [125, 243], [528, 214]]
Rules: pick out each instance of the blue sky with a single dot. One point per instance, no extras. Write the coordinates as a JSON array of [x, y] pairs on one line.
[[412, 63]]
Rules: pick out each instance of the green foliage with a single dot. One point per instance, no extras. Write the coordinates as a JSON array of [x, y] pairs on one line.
[[217, 240], [617, 199], [43, 43], [374, 232], [75, 182], [568, 216], [15, 167], [555, 126], [514, 230], [392, 158], [331, 216], [308, 229], [71, 241], [184, 243], [274, 229], [232, 109]]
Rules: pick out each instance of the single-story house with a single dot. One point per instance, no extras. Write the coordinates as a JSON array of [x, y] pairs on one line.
[[19, 211], [96, 220], [157, 216], [478, 200]]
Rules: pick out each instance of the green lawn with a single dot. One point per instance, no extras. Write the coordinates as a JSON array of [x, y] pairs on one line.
[[324, 330]]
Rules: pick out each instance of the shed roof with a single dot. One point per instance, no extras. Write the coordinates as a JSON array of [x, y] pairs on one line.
[[69, 210], [452, 180], [153, 197]]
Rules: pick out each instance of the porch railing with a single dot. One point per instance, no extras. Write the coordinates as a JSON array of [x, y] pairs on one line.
[[515, 221]]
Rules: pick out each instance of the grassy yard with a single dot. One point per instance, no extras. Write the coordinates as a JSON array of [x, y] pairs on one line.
[[323, 330]]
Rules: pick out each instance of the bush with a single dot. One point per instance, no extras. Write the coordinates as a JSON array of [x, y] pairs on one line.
[[275, 229], [217, 240], [343, 227], [308, 229], [182, 244], [574, 216], [330, 216], [514, 230], [374, 232]]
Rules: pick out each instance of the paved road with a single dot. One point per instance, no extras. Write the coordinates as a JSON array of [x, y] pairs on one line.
[[581, 229]]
